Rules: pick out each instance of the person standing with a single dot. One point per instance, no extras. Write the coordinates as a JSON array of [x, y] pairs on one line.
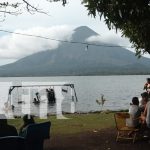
[[147, 86]]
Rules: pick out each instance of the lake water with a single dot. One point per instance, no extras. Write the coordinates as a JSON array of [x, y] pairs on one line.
[[117, 90]]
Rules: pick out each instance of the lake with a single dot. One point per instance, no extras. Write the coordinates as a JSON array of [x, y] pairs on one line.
[[117, 90]]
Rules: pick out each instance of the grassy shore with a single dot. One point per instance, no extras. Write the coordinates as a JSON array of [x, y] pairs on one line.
[[76, 124], [93, 131]]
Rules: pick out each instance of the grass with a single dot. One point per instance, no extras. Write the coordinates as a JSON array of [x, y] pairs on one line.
[[76, 124]]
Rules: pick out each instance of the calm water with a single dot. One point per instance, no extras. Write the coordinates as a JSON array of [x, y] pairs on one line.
[[118, 90]]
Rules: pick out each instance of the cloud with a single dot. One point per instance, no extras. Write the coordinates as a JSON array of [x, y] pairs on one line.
[[94, 39], [17, 46], [110, 38]]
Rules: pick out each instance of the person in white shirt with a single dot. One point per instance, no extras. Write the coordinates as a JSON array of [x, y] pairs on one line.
[[135, 113]]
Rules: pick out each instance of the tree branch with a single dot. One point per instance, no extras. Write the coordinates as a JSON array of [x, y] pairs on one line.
[[9, 8], [64, 2]]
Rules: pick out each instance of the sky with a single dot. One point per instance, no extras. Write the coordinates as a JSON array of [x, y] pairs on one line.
[[59, 23]]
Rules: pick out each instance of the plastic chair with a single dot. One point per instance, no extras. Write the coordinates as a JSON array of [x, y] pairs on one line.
[[123, 132], [35, 135], [12, 143]]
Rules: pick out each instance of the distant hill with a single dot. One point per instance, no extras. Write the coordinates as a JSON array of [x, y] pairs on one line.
[[73, 59]]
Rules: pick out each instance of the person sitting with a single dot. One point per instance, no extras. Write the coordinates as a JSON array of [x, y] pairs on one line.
[[135, 113], [27, 120], [145, 117], [145, 98], [5, 129], [146, 113]]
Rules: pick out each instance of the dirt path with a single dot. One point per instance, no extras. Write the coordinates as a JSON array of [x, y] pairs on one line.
[[101, 140]]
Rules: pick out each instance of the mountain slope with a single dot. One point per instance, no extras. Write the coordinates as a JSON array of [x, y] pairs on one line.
[[73, 59]]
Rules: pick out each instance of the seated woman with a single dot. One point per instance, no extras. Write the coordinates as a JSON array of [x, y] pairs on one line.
[[144, 101], [27, 120], [146, 113], [135, 113], [145, 117]]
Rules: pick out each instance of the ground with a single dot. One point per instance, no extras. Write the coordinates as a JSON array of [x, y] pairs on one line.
[[92, 131], [101, 140]]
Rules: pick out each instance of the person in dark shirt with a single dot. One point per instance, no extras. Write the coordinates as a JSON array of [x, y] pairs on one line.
[[5, 129], [51, 96]]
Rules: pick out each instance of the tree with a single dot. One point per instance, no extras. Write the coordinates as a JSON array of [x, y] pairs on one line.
[[132, 18]]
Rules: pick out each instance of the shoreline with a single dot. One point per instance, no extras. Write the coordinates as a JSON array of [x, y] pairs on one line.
[[78, 113]]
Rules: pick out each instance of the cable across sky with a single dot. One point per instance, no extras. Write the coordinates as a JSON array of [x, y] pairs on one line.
[[63, 41]]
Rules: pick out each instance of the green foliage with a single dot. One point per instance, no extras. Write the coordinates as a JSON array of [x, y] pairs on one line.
[[130, 17], [63, 1]]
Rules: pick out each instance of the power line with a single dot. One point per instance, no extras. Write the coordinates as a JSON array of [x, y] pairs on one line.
[[64, 41]]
